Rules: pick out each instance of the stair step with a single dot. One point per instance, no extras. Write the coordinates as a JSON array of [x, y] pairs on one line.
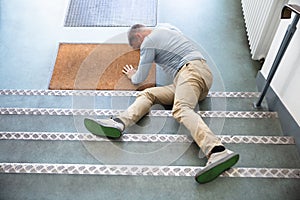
[[148, 125], [112, 112], [136, 153], [148, 138], [78, 187], [111, 93], [108, 102], [220, 101], [138, 170]]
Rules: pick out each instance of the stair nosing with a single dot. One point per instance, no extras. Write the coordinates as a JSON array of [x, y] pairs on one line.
[[140, 170], [28, 92], [147, 138]]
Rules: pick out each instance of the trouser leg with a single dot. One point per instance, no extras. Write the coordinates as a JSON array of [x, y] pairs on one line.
[[190, 87], [144, 101]]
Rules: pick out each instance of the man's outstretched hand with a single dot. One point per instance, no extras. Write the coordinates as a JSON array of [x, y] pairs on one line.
[[129, 71]]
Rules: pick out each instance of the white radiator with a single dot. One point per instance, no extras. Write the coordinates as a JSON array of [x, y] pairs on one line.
[[262, 18]]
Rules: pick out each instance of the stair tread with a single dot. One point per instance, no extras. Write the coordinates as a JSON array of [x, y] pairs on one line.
[[110, 112], [93, 187], [28, 92], [109, 100], [148, 125], [252, 155], [142, 170], [148, 138]]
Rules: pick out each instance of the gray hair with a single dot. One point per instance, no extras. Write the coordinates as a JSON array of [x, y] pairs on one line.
[[133, 30]]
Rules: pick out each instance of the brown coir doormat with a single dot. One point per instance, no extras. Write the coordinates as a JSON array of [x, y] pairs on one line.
[[96, 67]]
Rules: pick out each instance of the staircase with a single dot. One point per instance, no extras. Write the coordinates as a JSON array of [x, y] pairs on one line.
[[46, 153]]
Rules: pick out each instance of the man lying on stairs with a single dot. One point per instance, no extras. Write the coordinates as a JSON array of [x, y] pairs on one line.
[[178, 56]]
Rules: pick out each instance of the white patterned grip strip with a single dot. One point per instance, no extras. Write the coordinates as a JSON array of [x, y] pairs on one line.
[[112, 93], [138, 170], [150, 138]]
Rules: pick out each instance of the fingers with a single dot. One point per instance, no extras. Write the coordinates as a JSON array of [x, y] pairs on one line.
[[129, 71], [127, 68]]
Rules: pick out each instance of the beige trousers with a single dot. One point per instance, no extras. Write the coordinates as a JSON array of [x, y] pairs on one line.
[[191, 84]]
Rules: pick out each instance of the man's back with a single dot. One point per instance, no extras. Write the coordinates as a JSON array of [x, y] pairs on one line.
[[171, 48]]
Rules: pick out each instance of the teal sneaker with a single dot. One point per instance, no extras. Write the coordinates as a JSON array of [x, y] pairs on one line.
[[216, 165], [104, 127]]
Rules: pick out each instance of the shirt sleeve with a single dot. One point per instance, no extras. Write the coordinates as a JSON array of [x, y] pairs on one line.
[[147, 56]]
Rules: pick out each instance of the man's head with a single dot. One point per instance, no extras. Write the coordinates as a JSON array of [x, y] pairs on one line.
[[136, 35]]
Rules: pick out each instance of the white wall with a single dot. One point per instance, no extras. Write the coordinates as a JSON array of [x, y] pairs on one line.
[[286, 82]]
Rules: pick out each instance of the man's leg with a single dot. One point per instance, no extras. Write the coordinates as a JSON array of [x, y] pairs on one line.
[[190, 87], [113, 128], [144, 101]]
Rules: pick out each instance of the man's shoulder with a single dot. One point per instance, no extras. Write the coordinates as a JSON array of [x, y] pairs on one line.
[[168, 27], [160, 33]]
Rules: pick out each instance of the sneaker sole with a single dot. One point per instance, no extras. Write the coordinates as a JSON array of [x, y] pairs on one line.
[[216, 169], [100, 130]]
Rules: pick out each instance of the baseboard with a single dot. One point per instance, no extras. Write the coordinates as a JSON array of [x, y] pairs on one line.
[[288, 123]]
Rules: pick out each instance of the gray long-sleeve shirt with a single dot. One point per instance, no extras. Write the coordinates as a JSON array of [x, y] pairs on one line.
[[167, 47]]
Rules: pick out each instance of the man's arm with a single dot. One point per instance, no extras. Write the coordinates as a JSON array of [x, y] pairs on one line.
[[146, 59]]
